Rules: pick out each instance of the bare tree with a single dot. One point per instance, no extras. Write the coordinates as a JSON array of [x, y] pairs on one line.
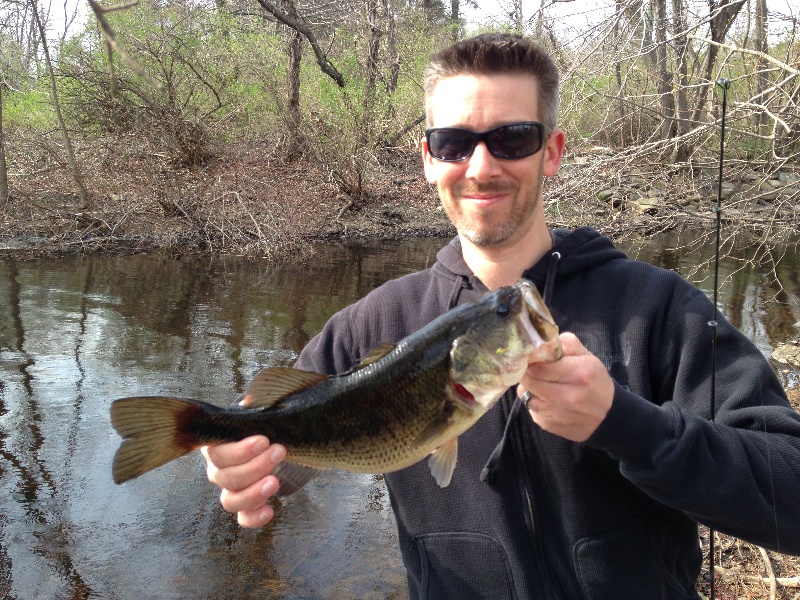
[[295, 54], [73, 164], [721, 17], [515, 16], [682, 113], [298, 25], [761, 46], [3, 162], [368, 102], [661, 69], [391, 41], [455, 18]]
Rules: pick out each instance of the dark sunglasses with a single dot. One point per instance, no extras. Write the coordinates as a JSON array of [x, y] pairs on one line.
[[510, 142]]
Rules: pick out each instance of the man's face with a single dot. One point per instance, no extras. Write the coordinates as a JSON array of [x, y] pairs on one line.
[[491, 201]]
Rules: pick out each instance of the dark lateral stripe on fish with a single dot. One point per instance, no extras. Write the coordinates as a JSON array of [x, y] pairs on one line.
[[156, 430]]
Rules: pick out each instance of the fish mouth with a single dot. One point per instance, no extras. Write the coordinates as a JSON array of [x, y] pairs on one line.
[[534, 336], [463, 395], [538, 324]]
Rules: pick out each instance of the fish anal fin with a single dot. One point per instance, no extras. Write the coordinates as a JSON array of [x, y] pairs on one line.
[[271, 385], [442, 462], [293, 476]]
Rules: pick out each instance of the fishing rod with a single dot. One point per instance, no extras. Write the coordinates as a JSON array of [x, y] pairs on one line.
[[724, 84]]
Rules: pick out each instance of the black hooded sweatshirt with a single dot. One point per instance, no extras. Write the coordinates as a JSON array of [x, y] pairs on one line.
[[531, 515]]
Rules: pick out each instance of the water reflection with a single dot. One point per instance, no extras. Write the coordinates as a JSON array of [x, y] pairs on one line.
[[77, 332]]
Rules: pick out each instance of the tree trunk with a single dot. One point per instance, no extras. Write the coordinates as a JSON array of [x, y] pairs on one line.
[[617, 72], [455, 19], [294, 52], [516, 16], [3, 163], [762, 78], [682, 79], [368, 103], [663, 76], [391, 42], [722, 16], [76, 172]]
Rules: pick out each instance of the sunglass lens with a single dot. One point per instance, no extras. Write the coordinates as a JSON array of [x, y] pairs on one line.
[[514, 141], [450, 144]]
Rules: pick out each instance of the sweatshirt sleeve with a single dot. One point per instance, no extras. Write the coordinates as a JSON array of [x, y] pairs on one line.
[[740, 473], [332, 350]]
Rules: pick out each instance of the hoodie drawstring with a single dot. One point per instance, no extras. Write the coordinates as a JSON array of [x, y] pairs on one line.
[[458, 284], [493, 464], [552, 267]]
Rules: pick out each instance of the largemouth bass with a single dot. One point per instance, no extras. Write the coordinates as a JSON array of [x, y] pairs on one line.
[[399, 405]]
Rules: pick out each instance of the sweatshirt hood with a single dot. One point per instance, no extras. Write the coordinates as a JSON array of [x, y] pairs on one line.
[[577, 250], [574, 250]]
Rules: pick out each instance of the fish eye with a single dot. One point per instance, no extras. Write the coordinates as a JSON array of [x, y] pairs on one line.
[[502, 309]]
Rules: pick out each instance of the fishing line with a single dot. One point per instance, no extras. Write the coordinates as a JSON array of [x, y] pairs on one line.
[[724, 84]]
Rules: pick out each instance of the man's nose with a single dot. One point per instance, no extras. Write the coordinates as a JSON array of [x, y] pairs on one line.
[[482, 164]]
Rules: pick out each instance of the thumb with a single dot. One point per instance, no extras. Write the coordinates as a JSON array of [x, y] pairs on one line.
[[571, 345]]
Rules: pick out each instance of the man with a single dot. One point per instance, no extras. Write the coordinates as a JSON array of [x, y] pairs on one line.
[[596, 490]]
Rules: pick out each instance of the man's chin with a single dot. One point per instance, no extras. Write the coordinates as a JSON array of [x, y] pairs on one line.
[[488, 238]]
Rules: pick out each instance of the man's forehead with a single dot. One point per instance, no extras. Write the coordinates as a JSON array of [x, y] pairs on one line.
[[500, 98], [484, 80]]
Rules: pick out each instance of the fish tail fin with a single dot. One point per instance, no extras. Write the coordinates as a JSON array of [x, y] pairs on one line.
[[154, 431]]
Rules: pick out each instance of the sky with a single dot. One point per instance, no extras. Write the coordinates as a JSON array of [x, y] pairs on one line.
[[575, 15], [572, 17]]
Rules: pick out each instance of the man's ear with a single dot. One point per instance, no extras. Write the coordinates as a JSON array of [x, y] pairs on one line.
[[428, 162], [553, 152]]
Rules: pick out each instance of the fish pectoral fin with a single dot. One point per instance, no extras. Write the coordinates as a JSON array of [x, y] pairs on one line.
[[293, 476], [270, 386], [442, 462]]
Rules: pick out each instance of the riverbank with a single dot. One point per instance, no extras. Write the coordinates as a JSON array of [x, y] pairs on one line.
[[245, 200], [242, 201]]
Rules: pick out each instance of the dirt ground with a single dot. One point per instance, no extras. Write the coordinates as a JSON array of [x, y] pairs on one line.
[[246, 201], [242, 201]]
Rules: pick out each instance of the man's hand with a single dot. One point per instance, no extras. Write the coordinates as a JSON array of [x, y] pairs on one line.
[[242, 469], [572, 395]]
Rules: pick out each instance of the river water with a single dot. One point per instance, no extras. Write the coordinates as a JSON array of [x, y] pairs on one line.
[[77, 332]]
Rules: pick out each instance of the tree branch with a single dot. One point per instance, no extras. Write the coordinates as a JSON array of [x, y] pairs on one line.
[[112, 45], [323, 62], [735, 48]]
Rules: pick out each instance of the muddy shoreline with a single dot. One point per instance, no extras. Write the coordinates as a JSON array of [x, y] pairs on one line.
[[244, 201]]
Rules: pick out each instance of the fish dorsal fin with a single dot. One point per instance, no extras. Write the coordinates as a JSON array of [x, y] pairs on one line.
[[270, 386], [442, 462], [375, 355]]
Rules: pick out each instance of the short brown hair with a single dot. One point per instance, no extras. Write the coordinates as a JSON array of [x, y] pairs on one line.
[[494, 53]]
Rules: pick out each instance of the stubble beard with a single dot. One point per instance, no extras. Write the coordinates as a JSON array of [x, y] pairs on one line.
[[497, 234], [488, 235]]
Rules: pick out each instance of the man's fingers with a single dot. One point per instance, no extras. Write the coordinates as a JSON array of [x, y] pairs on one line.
[[256, 518], [571, 345], [235, 453], [250, 499], [242, 470], [238, 475]]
